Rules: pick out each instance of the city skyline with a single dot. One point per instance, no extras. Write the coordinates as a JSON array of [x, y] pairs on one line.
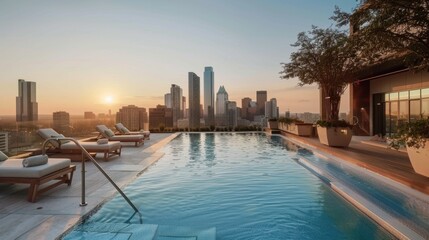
[[96, 57]]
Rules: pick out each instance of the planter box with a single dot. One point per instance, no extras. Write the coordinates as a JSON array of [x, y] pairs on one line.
[[335, 137], [300, 129], [273, 124], [419, 159]]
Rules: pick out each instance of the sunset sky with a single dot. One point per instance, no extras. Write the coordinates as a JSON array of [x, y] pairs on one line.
[[100, 55]]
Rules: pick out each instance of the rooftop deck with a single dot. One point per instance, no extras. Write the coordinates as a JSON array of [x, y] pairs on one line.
[[58, 210], [380, 159]]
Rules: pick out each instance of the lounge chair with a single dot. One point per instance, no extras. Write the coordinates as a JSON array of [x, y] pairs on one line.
[[59, 169], [110, 135], [109, 149], [124, 131]]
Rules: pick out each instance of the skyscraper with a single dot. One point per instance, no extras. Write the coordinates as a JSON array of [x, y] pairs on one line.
[[167, 100], [26, 105], [271, 109], [133, 117], [209, 96], [160, 117], [261, 98], [245, 104], [176, 103], [194, 100], [221, 101], [231, 113]]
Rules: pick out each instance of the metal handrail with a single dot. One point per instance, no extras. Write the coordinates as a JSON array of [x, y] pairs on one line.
[[84, 152]]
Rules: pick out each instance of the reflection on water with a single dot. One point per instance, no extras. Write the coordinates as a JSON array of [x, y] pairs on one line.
[[245, 185]]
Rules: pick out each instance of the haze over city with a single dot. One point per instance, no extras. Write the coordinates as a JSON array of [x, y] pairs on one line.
[[101, 55]]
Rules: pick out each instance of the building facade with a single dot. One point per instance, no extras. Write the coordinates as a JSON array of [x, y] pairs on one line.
[[245, 105], [194, 100], [89, 115], [176, 103], [231, 114], [271, 109], [209, 103], [160, 117], [61, 121], [261, 98], [167, 100], [221, 107], [133, 117], [26, 104]]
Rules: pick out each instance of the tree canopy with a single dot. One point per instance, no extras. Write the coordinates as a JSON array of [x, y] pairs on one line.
[[390, 27], [326, 58]]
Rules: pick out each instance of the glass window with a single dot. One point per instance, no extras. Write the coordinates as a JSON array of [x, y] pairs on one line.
[[393, 116], [403, 112], [393, 96], [425, 92], [425, 107], [415, 94], [387, 120], [386, 97], [403, 95], [414, 110]]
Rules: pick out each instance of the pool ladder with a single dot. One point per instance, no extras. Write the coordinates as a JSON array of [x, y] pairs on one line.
[[85, 153]]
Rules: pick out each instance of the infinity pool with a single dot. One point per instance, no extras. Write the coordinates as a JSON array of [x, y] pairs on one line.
[[248, 186]]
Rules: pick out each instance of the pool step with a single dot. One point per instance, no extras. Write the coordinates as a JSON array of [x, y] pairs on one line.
[[124, 231]]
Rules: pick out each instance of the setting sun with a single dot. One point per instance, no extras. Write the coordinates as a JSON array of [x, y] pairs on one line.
[[108, 99]]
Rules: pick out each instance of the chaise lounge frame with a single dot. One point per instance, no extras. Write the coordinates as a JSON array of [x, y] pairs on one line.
[[64, 175]]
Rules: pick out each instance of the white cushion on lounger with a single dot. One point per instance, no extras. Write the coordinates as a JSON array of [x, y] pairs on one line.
[[91, 146], [14, 168], [126, 137]]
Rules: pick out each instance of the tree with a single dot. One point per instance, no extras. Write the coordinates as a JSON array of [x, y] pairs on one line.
[[324, 57], [390, 28]]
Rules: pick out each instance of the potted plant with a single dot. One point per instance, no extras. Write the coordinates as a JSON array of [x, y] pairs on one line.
[[414, 136], [334, 133], [327, 58], [295, 126], [273, 123]]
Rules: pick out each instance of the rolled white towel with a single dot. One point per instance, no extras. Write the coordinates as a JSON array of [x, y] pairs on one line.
[[35, 161], [103, 141]]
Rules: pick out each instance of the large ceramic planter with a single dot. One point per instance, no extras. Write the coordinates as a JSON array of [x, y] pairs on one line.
[[300, 129], [335, 136], [420, 159], [273, 124]]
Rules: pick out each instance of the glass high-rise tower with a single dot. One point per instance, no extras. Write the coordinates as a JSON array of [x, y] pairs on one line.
[[194, 100], [209, 106], [26, 105]]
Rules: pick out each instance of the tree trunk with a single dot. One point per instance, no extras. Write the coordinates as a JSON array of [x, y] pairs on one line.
[[335, 107]]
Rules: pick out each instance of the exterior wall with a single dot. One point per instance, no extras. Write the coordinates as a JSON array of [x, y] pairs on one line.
[[209, 96], [194, 100], [361, 94]]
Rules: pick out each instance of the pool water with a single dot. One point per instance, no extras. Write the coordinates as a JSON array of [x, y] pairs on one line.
[[246, 185]]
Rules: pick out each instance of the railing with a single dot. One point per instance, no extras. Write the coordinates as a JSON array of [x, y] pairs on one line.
[[84, 152]]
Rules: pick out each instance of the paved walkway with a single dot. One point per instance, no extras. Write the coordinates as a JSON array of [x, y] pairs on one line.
[[58, 210], [387, 162]]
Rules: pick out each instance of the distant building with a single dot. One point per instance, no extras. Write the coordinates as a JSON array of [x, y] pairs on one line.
[[308, 117], [26, 105], [245, 105], [4, 146], [133, 117], [176, 103], [287, 114], [61, 121], [209, 104], [261, 98], [232, 114], [194, 100], [271, 109], [89, 115], [221, 101], [160, 116], [167, 100], [184, 110]]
